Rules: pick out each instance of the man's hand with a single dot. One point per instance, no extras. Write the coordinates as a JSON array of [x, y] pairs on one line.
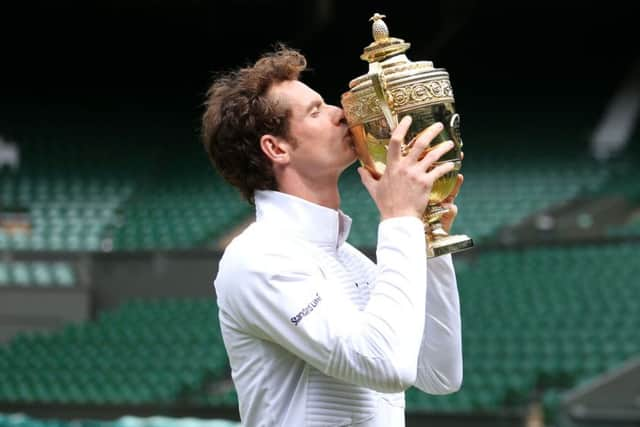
[[452, 210], [405, 185]]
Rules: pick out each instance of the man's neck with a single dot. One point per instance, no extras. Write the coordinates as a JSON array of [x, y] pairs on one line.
[[321, 193]]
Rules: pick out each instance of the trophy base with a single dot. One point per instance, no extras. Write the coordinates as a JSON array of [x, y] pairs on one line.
[[449, 245]]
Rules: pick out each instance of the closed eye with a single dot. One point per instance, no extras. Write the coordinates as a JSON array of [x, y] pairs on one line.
[[315, 108]]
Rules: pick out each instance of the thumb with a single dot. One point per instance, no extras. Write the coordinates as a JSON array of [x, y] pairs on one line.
[[367, 179], [452, 207]]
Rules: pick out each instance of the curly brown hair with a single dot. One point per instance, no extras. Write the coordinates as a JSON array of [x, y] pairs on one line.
[[239, 112]]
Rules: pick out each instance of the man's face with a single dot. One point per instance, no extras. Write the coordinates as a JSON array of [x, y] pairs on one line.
[[321, 141]]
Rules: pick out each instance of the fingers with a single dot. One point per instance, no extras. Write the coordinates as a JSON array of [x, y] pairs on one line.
[[433, 155], [439, 171], [454, 193], [456, 189], [397, 139], [452, 209], [448, 219], [367, 179], [423, 139]]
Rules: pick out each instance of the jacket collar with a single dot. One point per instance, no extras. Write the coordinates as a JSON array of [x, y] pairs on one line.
[[312, 222]]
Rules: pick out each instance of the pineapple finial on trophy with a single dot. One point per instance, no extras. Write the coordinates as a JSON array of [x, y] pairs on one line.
[[383, 46], [379, 28]]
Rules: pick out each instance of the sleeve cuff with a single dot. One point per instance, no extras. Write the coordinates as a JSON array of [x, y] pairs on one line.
[[401, 221], [405, 233]]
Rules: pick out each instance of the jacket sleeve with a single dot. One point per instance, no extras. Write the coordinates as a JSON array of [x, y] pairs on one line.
[[282, 296], [440, 359]]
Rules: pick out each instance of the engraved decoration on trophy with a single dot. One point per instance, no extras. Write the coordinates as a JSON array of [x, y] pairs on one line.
[[395, 87]]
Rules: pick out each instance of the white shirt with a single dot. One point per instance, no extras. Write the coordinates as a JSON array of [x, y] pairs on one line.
[[319, 335]]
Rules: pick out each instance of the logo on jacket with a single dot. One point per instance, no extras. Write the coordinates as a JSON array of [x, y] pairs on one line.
[[308, 309]]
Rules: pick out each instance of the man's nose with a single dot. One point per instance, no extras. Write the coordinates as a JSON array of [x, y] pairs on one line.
[[338, 114]]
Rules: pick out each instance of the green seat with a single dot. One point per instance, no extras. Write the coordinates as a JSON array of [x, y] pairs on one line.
[[63, 275], [42, 274], [20, 274]]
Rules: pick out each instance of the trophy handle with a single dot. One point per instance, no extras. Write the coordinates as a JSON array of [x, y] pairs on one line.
[[384, 100]]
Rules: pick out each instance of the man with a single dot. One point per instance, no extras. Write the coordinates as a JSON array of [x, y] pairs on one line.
[[316, 333]]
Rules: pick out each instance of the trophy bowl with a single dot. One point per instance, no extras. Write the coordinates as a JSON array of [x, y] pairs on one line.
[[395, 87]]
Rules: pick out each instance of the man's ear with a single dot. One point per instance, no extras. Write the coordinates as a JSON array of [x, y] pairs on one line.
[[276, 149]]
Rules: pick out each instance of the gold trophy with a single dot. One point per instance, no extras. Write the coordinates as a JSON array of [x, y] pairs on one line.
[[394, 87]]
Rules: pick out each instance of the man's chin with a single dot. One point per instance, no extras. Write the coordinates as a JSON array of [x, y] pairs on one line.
[[352, 150]]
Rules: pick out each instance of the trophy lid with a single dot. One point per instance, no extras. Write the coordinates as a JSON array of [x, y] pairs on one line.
[[394, 84], [383, 46], [389, 54]]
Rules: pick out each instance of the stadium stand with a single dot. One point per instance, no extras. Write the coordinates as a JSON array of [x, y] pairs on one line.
[[536, 321], [625, 183], [541, 319], [68, 190], [79, 196], [22, 420], [186, 205], [38, 273], [143, 352]]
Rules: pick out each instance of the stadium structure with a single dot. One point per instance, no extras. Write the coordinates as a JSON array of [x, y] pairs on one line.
[[112, 219]]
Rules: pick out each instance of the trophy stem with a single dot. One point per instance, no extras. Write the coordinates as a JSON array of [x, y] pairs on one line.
[[439, 242]]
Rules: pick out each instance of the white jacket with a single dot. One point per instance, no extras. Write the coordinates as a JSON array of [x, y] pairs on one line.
[[319, 335]]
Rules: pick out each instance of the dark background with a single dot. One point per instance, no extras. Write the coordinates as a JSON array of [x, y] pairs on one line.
[[160, 56]]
